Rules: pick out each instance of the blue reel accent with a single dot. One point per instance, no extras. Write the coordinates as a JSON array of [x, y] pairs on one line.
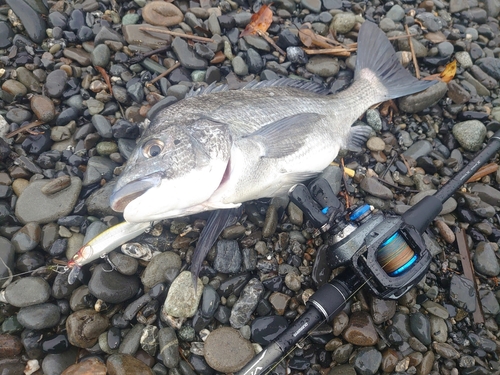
[[325, 210], [358, 212], [390, 239], [404, 267]]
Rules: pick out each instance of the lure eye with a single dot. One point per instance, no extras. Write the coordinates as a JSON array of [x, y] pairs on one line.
[[152, 148]]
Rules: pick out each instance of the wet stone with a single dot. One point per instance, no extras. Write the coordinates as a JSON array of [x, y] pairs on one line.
[[43, 108], [182, 299], [360, 330], [186, 55], [374, 187], [324, 66], [367, 361], [169, 347], [119, 364], [27, 291], [484, 343], [417, 102], [27, 238], [84, 327], [91, 365], [111, 286], [156, 269], [210, 301], [131, 342], [439, 329], [55, 344], [44, 315], [445, 350], [420, 326], [124, 264], [228, 256], [382, 310], [98, 168], [485, 260], [463, 293], [246, 303], [223, 341], [32, 21]]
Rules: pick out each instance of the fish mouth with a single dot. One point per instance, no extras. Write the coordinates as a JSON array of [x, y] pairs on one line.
[[123, 196]]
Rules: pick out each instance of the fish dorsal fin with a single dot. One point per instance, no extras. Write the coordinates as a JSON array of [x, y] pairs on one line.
[[285, 136], [253, 85]]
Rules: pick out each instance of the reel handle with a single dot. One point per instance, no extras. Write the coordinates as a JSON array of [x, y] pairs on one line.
[[318, 202]]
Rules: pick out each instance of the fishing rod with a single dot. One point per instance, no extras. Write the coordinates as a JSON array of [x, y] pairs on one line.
[[387, 253]]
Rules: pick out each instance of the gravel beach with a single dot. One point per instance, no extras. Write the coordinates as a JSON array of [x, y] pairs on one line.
[[79, 81]]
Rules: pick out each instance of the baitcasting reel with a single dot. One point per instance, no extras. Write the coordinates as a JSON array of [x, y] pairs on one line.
[[385, 252]]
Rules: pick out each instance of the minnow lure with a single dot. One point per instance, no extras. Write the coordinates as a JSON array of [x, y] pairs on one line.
[[102, 244]]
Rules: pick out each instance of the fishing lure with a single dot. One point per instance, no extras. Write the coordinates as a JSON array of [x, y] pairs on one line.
[[102, 244]]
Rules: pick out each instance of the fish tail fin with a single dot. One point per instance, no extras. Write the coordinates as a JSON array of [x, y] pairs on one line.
[[376, 57]]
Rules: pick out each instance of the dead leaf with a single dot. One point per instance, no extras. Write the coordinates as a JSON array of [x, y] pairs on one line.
[[449, 71], [446, 75], [259, 22]]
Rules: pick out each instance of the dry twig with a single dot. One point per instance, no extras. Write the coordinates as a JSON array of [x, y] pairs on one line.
[[164, 74], [34, 124], [150, 30], [469, 273], [412, 50]]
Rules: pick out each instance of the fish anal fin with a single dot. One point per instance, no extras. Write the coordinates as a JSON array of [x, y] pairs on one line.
[[283, 137]]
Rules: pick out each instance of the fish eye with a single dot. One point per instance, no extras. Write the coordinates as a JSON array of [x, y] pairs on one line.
[[152, 148]]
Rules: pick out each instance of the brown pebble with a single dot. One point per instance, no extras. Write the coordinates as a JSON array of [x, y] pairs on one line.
[[445, 231], [84, 327], [224, 341], [15, 88], [10, 346], [389, 360], [218, 58], [360, 330], [91, 366], [125, 364], [279, 301], [425, 367], [43, 107], [55, 185], [160, 13], [19, 185]]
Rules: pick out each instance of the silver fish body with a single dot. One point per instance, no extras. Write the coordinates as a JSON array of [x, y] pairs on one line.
[[218, 149]]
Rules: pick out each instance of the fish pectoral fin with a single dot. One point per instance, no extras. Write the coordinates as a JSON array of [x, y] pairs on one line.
[[358, 136], [283, 137]]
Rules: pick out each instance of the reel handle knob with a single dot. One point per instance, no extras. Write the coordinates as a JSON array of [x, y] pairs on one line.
[[300, 195]]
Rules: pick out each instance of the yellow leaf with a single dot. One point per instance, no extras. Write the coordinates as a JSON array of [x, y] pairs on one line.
[[449, 71]]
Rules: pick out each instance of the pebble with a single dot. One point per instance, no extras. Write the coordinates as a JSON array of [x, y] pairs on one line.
[[49, 207], [41, 316], [27, 291], [417, 102], [159, 13], [88, 366], [158, 267], [246, 303], [84, 327], [226, 340], [485, 260], [360, 330], [168, 347], [367, 361], [183, 299], [470, 134]]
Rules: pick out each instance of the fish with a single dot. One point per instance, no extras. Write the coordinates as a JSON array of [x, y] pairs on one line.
[[219, 148]]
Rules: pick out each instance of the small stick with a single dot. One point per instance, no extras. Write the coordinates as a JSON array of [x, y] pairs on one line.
[[106, 78], [34, 124], [174, 33], [142, 56], [469, 272], [407, 165], [414, 57], [165, 73], [330, 51], [271, 42]]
